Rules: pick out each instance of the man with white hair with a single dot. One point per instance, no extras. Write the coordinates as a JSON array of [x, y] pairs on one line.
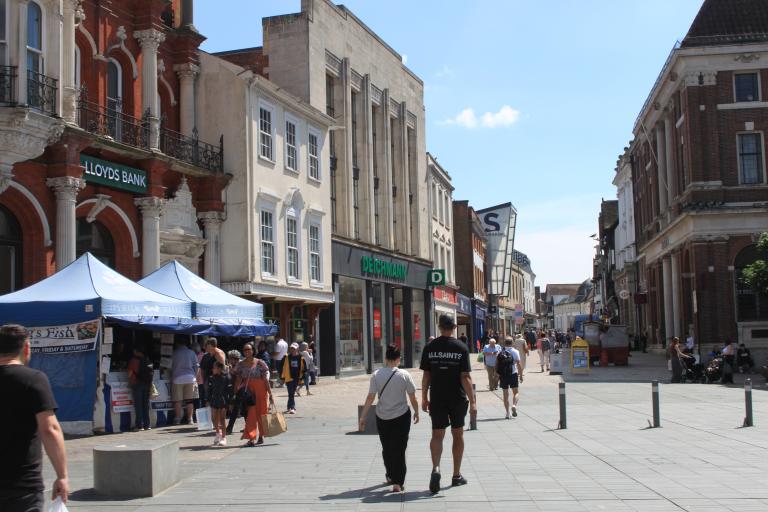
[[490, 351]]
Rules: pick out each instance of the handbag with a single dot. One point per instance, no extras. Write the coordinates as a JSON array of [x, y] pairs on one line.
[[480, 357], [273, 423], [246, 395]]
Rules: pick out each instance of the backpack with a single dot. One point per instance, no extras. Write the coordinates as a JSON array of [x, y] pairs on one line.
[[504, 363], [546, 345], [146, 371]]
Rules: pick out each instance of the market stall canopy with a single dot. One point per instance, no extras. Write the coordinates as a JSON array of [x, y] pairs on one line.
[[87, 289], [227, 314]]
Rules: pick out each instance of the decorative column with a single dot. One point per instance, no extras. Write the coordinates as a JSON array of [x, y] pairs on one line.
[[151, 209], [150, 40], [21, 58], [187, 73], [66, 189], [661, 166], [212, 259], [669, 318], [68, 87], [387, 201], [676, 307], [669, 160]]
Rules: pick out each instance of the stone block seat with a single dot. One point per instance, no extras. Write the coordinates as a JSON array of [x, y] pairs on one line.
[[135, 470]]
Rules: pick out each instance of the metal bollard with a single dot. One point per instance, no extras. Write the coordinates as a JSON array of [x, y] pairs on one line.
[[563, 423], [655, 396], [473, 416], [748, 421]]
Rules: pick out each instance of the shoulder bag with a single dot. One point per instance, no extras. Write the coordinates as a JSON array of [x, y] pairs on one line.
[[385, 384]]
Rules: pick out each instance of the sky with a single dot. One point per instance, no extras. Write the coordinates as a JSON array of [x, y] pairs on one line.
[[526, 101]]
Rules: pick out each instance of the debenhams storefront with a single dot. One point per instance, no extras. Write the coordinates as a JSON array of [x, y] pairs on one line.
[[380, 299]]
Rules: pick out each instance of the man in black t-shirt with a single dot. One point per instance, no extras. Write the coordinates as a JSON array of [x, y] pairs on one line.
[[446, 392], [30, 407]]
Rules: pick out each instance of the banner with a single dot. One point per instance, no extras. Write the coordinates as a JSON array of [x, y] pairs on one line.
[[60, 339], [121, 397], [499, 224]]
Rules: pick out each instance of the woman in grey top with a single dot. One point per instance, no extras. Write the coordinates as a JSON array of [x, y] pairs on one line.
[[393, 418]]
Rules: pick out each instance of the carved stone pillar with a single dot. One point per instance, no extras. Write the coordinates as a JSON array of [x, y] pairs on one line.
[[212, 259], [661, 165], [187, 73], [150, 41], [68, 72], [151, 210], [65, 188]]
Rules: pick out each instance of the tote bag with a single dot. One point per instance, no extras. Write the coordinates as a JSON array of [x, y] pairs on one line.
[[204, 421], [273, 423]]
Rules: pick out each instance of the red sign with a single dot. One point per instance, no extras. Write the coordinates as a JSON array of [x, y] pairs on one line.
[[445, 294], [398, 326], [376, 323], [416, 326]]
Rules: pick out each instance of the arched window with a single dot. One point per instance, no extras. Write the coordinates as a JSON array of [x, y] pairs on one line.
[[93, 237], [10, 252], [34, 38], [114, 97], [750, 305]]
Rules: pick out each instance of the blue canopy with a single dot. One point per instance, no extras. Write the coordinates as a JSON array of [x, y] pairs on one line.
[[87, 289], [226, 314]]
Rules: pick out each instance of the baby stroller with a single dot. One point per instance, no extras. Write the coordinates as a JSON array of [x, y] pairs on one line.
[[714, 371], [692, 371]]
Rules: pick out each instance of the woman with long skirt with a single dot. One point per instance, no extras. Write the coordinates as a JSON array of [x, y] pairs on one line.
[[252, 379]]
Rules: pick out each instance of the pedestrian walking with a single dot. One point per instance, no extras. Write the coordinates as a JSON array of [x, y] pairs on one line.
[[393, 417], [729, 361], [676, 355], [446, 393], [184, 368], [490, 351], [235, 404], [544, 346], [530, 338], [30, 420], [219, 396], [522, 348], [309, 364], [292, 372], [141, 372], [212, 355], [252, 385], [281, 349], [510, 371]]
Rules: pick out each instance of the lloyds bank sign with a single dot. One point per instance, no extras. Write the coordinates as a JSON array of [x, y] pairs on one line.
[[113, 175], [383, 269]]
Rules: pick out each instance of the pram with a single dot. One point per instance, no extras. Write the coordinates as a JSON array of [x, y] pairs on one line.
[[692, 371], [714, 370]]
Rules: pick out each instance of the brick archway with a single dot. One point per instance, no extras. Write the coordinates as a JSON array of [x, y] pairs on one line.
[[125, 261], [38, 259]]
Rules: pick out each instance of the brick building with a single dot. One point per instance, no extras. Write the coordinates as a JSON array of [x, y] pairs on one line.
[[470, 262], [97, 140], [699, 180]]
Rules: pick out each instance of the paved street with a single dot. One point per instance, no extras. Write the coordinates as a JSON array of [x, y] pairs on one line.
[[607, 459]]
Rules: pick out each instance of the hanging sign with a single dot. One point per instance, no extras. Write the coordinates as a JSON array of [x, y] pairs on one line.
[[113, 175], [376, 323], [60, 339]]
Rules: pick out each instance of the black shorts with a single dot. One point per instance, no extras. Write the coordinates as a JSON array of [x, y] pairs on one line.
[[448, 414], [509, 381]]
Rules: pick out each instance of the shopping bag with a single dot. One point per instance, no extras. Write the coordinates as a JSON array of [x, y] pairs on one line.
[[669, 365], [204, 421], [480, 357], [273, 423], [58, 506]]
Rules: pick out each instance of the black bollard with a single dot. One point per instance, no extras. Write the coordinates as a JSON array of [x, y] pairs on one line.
[[655, 395], [473, 415], [748, 421], [563, 423]]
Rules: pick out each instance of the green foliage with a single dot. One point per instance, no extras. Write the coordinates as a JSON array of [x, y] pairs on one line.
[[756, 274]]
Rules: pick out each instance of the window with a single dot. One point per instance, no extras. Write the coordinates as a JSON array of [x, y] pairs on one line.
[[10, 252], [747, 87], [313, 149], [265, 133], [290, 146], [292, 243], [449, 267], [3, 37], [751, 306], [446, 198], [114, 98], [314, 253], [440, 206], [267, 243], [434, 201], [750, 158], [435, 254], [95, 238], [34, 38]]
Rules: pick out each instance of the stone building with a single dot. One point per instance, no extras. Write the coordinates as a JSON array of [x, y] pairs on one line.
[[699, 180], [379, 191], [624, 272], [98, 144]]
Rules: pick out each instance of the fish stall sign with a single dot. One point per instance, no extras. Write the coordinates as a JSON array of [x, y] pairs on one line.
[[62, 339]]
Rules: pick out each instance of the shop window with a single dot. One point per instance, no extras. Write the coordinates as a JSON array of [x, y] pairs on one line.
[[93, 237], [751, 306], [10, 252], [352, 323]]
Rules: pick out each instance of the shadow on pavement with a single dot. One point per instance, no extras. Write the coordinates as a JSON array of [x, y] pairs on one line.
[[378, 494], [92, 495]]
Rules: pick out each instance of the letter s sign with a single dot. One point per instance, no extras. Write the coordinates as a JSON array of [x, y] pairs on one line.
[[490, 222]]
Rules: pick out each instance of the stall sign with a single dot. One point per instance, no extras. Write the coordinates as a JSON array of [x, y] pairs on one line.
[[121, 397], [162, 402], [62, 339]]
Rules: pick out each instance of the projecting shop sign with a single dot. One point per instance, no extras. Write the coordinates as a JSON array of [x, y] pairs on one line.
[[113, 175], [499, 225]]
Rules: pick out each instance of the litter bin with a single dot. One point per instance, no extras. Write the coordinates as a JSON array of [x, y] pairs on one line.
[[556, 362]]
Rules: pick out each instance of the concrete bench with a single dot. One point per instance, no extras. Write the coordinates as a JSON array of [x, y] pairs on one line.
[[370, 420], [135, 470]]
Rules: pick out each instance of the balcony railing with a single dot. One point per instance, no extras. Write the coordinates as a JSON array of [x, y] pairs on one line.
[[8, 75], [112, 123], [192, 150], [41, 92]]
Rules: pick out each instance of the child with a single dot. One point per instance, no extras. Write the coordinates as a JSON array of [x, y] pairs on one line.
[[220, 394]]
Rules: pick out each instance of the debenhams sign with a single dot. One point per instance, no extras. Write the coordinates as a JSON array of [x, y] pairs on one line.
[[113, 175]]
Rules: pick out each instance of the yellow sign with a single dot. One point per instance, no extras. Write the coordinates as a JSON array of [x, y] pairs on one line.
[[579, 356]]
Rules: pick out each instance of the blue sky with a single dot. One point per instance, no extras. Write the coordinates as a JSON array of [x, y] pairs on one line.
[[553, 88]]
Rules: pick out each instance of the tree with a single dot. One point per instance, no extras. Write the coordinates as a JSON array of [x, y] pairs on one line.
[[755, 275]]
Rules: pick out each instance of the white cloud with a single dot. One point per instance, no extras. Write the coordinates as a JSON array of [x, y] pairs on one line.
[[405, 59], [505, 117]]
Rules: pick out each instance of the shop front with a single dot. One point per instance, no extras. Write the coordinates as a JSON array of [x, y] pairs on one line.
[[380, 300], [445, 303], [479, 313], [464, 319]]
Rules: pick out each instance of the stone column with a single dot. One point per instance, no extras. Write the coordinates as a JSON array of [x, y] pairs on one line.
[[21, 57], [405, 184], [68, 86], [187, 74], [151, 209], [386, 179], [670, 161], [65, 188], [669, 316], [345, 223], [150, 40], [661, 164], [677, 311], [368, 201], [212, 259]]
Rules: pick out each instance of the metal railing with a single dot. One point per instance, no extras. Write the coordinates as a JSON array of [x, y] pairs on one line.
[[192, 150], [41, 92], [111, 123], [8, 75]]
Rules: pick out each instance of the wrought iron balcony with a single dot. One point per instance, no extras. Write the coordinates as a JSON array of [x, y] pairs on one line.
[[41, 92], [111, 123], [8, 75], [192, 150]]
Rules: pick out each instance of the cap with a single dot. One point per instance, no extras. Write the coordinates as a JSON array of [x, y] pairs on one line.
[[294, 345]]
